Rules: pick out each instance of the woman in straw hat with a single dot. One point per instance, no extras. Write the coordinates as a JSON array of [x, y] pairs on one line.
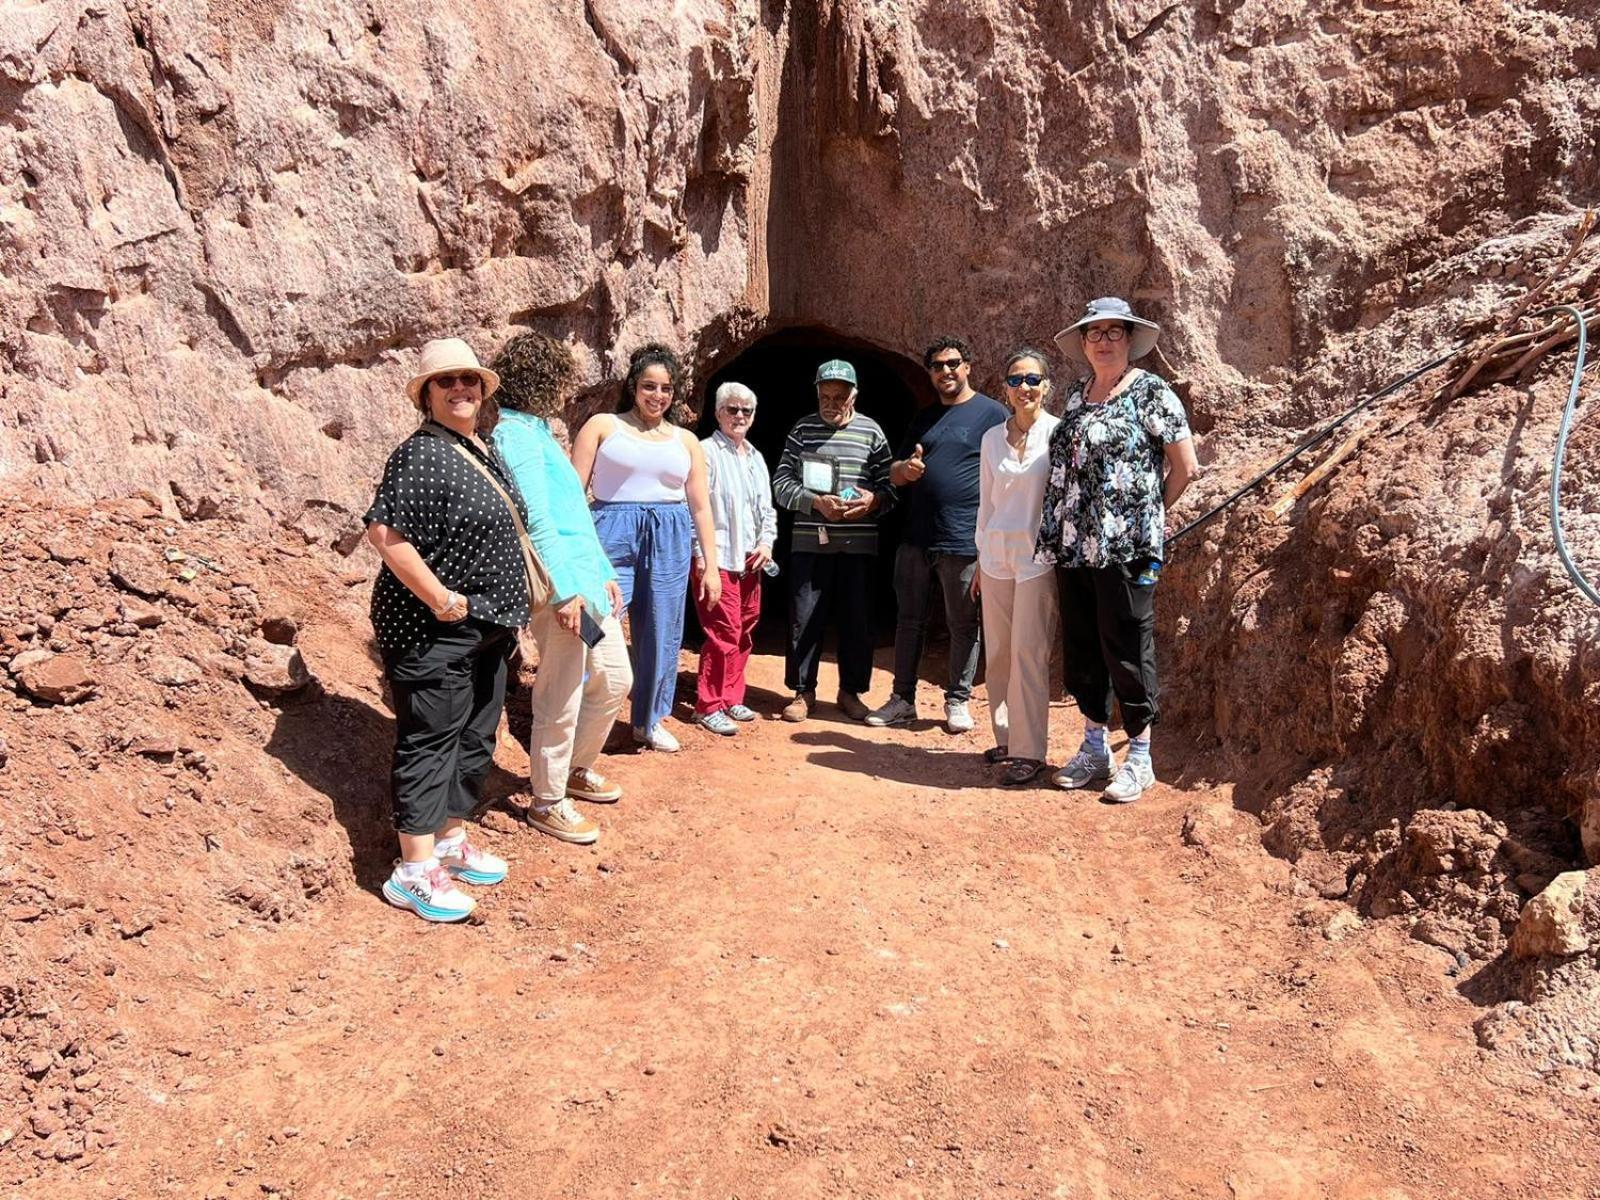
[[1120, 457], [452, 593]]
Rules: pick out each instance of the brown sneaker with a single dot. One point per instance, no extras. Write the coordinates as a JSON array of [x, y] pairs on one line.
[[852, 706], [588, 784], [800, 707], [564, 822]]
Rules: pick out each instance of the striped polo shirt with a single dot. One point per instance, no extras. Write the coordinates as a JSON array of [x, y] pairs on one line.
[[861, 455]]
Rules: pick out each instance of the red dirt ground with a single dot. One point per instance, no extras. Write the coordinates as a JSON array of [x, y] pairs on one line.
[[812, 961]]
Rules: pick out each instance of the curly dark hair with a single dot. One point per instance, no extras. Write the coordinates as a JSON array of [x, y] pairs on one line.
[[652, 355], [536, 373], [946, 342]]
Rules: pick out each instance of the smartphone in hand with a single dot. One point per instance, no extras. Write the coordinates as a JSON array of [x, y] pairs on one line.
[[589, 629]]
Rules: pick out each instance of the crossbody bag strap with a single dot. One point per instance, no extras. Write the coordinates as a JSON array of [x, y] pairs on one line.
[[539, 585]]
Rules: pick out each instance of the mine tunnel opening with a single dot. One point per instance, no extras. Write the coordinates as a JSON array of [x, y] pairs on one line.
[[780, 367]]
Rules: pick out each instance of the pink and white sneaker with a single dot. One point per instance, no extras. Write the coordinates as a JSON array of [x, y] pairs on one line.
[[433, 895], [471, 865]]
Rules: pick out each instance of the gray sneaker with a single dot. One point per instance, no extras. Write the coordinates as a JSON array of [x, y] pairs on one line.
[[1087, 766], [1130, 783], [898, 711], [956, 717], [717, 722]]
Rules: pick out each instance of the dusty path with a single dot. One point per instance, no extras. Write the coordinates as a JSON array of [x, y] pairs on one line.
[[832, 962]]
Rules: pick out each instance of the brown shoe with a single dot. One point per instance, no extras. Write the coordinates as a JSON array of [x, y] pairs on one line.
[[852, 706], [564, 822], [800, 707]]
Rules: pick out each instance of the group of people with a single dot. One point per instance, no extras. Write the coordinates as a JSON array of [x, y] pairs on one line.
[[1019, 519]]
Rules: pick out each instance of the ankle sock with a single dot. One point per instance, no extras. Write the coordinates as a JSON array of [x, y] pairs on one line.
[[1139, 748], [1094, 737], [444, 845], [416, 870]]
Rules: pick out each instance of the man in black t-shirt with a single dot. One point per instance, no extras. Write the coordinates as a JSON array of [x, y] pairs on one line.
[[937, 473]]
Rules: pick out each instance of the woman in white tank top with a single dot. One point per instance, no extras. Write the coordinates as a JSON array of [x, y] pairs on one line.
[[648, 479]]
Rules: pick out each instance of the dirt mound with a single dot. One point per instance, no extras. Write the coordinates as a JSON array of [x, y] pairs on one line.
[[1399, 674]]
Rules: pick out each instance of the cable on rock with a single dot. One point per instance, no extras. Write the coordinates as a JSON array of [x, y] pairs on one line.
[[1583, 584]]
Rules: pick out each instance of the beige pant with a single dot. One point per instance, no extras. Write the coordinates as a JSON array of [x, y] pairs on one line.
[[576, 696], [1019, 632]]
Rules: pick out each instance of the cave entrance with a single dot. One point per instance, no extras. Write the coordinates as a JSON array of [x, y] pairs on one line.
[[779, 368]]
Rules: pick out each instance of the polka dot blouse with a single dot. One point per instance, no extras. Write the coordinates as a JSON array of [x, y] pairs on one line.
[[443, 506]]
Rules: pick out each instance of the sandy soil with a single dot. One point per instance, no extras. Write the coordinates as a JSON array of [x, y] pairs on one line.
[[827, 961]]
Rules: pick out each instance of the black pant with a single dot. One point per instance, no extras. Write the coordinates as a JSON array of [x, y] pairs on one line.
[[448, 695], [824, 586], [1108, 643]]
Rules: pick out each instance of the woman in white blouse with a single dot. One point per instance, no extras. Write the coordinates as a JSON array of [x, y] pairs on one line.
[[1019, 595]]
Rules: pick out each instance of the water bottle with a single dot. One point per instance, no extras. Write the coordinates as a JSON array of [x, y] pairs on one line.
[[770, 569]]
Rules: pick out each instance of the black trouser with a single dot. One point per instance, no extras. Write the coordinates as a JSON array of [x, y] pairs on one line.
[[1108, 643], [916, 573], [824, 586], [448, 694]]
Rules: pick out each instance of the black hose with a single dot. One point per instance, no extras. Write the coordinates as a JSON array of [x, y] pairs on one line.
[[1316, 439], [1565, 555]]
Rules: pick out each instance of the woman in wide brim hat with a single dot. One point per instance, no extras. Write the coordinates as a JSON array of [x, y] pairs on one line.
[[1141, 334], [1121, 456], [446, 606]]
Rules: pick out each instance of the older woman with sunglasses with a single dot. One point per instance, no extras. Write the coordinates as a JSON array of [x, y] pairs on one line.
[[1121, 456], [747, 526], [1019, 595]]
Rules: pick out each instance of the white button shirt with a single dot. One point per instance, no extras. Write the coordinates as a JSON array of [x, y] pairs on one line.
[[1011, 500], [741, 501]]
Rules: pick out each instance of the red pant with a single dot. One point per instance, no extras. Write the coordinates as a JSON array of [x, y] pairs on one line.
[[730, 630]]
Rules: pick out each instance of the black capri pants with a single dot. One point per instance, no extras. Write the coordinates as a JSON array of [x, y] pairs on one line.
[[1108, 643], [448, 696]]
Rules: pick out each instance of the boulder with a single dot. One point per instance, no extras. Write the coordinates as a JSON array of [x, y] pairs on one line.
[[274, 669], [54, 678], [139, 569], [1560, 919], [173, 670]]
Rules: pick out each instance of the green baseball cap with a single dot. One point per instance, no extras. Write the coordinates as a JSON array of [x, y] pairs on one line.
[[836, 369]]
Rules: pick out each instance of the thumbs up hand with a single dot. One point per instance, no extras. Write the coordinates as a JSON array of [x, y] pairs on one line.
[[912, 468]]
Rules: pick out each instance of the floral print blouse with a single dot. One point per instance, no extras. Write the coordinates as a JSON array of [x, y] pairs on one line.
[[1102, 504]]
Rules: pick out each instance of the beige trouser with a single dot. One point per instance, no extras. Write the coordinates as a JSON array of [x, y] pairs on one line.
[[576, 696], [1019, 632]]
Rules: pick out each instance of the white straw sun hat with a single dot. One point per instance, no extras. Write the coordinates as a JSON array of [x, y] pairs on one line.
[[448, 356]]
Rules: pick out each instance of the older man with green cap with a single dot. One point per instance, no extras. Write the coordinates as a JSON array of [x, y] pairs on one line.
[[834, 476]]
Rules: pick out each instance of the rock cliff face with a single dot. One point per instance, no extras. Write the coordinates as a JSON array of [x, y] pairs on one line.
[[225, 227]]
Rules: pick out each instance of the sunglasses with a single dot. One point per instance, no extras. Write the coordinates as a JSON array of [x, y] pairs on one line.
[[1115, 334], [449, 381], [947, 364], [1018, 380], [739, 410]]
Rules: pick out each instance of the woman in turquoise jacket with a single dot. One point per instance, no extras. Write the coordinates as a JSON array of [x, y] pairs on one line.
[[584, 675]]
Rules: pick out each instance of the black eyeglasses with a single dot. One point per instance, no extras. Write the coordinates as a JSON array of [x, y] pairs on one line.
[[739, 410], [1018, 380], [946, 364], [449, 381], [1115, 334]]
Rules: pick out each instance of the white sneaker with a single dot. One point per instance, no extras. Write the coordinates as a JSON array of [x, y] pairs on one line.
[[956, 717], [432, 895], [1130, 782], [1085, 767], [657, 739], [898, 711]]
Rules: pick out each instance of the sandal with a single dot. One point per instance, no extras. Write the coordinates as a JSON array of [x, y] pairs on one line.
[[1021, 771], [995, 754]]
